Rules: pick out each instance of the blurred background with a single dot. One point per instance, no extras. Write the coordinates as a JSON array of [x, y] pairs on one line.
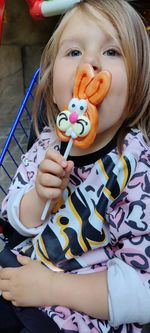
[[22, 42]]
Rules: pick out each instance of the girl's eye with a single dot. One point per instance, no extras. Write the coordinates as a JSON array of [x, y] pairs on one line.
[[74, 53], [112, 53]]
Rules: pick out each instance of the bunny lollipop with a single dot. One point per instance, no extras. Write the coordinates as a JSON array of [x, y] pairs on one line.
[[77, 125]]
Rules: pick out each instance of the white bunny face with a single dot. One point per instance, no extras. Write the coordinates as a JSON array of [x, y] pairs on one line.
[[72, 121]]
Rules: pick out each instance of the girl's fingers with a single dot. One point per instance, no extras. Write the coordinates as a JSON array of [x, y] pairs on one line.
[[69, 168], [53, 175], [54, 155], [6, 273], [51, 167], [23, 260], [64, 163], [4, 285], [48, 180], [49, 193]]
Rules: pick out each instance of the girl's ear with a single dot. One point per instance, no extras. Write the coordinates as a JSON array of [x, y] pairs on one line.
[[84, 75], [98, 87]]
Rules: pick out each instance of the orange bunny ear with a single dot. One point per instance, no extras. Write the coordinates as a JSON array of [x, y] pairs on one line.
[[84, 76], [98, 87]]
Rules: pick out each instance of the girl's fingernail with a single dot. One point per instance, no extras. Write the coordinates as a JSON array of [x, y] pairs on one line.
[[64, 163]]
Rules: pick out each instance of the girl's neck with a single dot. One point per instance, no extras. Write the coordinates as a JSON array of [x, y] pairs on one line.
[[90, 158]]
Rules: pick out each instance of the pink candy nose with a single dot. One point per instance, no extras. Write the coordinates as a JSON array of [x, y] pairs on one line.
[[73, 117]]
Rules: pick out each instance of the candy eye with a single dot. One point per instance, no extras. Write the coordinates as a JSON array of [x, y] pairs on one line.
[[78, 105], [82, 106], [73, 105]]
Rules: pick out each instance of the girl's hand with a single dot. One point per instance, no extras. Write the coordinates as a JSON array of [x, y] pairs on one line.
[[29, 285], [53, 175], [35, 285], [51, 180]]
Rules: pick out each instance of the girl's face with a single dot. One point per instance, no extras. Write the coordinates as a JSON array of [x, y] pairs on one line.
[[83, 41]]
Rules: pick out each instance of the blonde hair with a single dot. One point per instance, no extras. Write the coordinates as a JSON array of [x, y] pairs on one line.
[[135, 46]]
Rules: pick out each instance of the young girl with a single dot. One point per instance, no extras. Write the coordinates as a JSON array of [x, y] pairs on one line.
[[95, 239]]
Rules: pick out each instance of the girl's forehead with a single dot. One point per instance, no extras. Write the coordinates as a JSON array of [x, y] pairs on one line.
[[81, 23]]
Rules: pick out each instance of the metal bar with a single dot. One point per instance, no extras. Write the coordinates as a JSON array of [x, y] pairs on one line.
[[35, 76]]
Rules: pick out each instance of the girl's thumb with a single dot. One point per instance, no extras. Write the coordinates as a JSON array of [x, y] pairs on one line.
[[23, 260], [69, 168]]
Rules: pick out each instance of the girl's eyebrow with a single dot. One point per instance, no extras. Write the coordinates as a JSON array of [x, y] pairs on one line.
[[69, 40], [108, 39]]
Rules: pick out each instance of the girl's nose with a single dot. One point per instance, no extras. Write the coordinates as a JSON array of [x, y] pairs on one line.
[[94, 61], [96, 68]]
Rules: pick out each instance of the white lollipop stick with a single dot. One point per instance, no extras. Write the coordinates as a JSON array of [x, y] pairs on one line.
[[46, 208], [82, 106]]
